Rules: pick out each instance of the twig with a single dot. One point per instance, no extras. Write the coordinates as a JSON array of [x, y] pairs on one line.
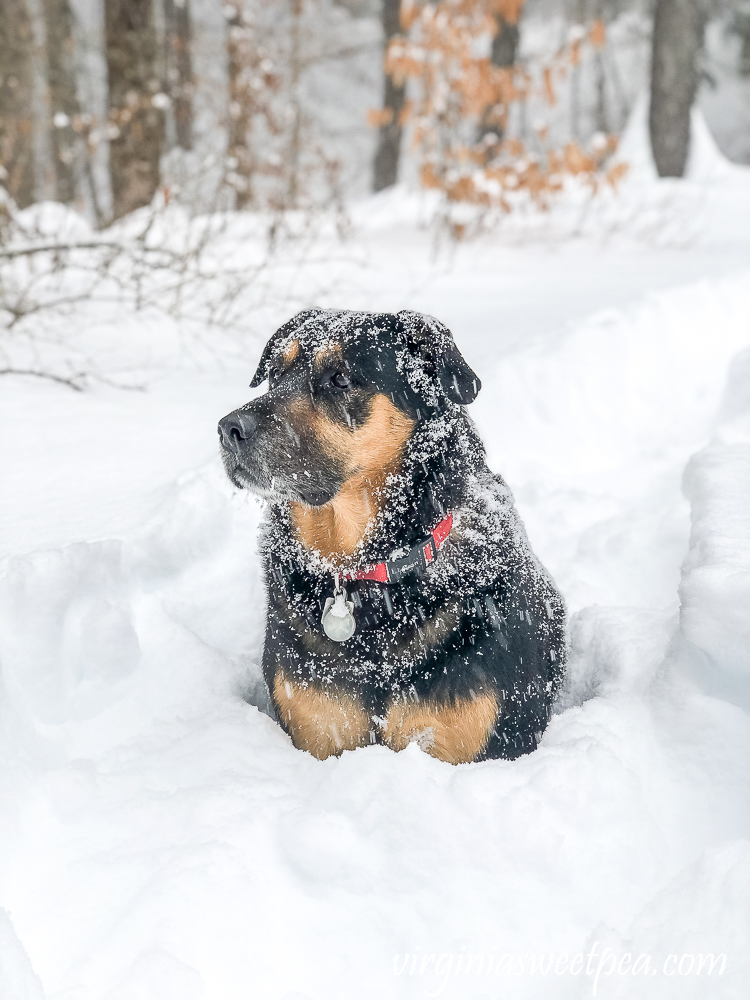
[[59, 247], [71, 381]]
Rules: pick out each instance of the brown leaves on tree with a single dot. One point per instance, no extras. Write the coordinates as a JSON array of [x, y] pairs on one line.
[[443, 50]]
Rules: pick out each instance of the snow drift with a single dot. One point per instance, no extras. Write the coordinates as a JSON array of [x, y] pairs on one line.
[[715, 588]]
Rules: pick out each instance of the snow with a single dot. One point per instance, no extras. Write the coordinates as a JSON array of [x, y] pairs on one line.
[[715, 588], [17, 978], [159, 835]]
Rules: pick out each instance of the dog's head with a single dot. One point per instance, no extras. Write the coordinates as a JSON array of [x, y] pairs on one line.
[[345, 391]]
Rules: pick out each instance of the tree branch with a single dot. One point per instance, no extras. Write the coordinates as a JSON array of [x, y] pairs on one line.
[[72, 381]]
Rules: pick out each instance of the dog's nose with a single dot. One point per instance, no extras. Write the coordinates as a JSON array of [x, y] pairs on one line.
[[235, 428]]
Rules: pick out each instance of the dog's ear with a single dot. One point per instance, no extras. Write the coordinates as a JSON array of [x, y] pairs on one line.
[[458, 381], [282, 334], [431, 342]]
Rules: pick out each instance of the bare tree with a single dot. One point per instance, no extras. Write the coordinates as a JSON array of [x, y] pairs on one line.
[[385, 173], [136, 104], [245, 100], [601, 120], [61, 80], [180, 68], [189, 269], [16, 96], [675, 73], [279, 154], [295, 133]]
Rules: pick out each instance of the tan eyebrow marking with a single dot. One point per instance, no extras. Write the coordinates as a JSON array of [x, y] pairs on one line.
[[327, 354], [290, 352]]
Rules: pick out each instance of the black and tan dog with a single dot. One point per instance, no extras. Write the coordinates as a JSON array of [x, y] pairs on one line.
[[404, 601]]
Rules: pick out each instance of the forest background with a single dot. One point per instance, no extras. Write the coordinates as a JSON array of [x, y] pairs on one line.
[[277, 104]]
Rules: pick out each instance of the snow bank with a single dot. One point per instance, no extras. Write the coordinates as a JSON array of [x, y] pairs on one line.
[[695, 922], [17, 978], [715, 588], [710, 205], [599, 484]]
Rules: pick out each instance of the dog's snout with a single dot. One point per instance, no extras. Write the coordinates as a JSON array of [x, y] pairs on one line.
[[235, 428]]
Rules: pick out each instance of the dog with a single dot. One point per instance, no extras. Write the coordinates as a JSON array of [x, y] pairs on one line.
[[404, 601]]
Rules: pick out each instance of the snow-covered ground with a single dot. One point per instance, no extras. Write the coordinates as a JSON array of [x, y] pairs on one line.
[[161, 839]]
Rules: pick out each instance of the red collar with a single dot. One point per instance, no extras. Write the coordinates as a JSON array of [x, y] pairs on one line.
[[417, 559]]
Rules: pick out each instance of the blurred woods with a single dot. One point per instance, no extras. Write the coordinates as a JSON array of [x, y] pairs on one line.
[[263, 104], [129, 110]]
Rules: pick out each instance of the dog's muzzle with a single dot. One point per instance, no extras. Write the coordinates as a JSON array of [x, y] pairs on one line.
[[263, 455]]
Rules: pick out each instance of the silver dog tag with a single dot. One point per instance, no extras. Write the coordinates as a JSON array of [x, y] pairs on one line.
[[338, 617]]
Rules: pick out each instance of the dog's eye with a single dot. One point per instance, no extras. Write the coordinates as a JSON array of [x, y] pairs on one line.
[[341, 381], [273, 374]]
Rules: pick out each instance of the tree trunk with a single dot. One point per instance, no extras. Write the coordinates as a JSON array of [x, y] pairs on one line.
[[741, 27], [136, 126], [240, 108], [180, 68], [504, 55], [62, 95], [678, 40], [601, 119], [295, 136], [16, 94], [580, 17], [505, 42], [385, 173]]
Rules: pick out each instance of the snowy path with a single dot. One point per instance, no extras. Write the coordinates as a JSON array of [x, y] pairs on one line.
[[161, 838]]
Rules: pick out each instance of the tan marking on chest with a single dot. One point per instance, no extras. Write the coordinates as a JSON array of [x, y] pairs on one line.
[[456, 732], [320, 723], [372, 452]]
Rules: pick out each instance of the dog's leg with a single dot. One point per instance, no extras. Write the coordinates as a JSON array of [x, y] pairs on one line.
[[456, 732], [317, 722]]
